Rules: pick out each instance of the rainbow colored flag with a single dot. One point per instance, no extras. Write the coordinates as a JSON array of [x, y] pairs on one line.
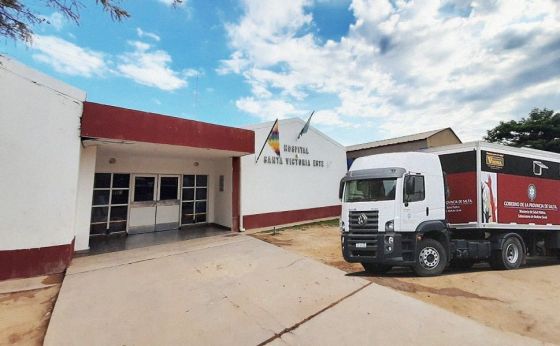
[[274, 138]]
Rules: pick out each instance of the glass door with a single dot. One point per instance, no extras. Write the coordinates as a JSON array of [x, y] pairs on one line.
[[143, 204], [168, 206]]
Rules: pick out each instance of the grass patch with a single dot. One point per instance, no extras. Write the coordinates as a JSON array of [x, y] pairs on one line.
[[325, 223]]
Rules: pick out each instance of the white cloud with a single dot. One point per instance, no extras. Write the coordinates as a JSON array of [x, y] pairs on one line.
[[68, 58], [191, 72], [150, 67], [56, 20], [145, 64], [407, 65], [141, 34], [170, 2], [267, 110]]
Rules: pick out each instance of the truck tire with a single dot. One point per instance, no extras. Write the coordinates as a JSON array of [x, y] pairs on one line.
[[431, 258], [375, 268], [510, 256], [462, 264]]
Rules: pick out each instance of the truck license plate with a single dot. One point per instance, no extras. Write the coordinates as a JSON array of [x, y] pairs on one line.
[[361, 245]]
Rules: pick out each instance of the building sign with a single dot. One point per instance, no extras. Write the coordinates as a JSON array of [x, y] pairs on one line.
[[294, 155]]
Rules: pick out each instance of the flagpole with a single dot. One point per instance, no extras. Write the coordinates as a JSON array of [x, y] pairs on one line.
[[266, 140], [306, 126]]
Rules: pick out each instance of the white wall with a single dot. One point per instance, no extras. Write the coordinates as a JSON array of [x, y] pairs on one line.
[[274, 187], [222, 205], [39, 151], [219, 211], [84, 198]]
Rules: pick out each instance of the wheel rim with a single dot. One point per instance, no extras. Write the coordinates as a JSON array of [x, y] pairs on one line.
[[429, 258], [512, 253]]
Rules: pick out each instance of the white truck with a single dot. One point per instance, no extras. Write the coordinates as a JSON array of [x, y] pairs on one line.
[[455, 205]]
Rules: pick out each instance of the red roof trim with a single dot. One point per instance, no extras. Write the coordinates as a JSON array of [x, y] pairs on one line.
[[109, 122]]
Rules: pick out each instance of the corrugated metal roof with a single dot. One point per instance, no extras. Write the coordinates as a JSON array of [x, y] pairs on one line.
[[396, 140]]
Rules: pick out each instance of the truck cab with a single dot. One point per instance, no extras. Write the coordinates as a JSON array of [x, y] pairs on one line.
[[392, 204]]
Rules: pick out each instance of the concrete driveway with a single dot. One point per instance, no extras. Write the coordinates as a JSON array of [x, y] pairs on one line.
[[237, 290]]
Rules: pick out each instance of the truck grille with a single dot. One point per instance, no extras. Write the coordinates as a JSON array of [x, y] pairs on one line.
[[371, 225]]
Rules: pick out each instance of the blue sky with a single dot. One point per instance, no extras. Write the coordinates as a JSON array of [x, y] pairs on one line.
[[372, 69]]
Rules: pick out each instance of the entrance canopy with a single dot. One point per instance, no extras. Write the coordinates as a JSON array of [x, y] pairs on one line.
[[114, 123], [143, 172]]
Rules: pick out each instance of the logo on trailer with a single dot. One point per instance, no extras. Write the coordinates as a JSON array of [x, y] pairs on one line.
[[494, 160], [362, 219], [532, 192]]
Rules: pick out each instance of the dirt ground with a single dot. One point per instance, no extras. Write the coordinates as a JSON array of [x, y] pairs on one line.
[[523, 301], [25, 309]]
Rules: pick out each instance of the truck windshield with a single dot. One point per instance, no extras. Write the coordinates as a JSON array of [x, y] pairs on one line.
[[368, 190]]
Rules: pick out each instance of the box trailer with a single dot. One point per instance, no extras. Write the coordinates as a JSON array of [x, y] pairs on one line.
[[454, 205]]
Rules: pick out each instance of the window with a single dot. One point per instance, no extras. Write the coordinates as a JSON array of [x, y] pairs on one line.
[[119, 196], [102, 180], [144, 189], [109, 212], [221, 183], [369, 190], [169, 187], [414, 189], [194, 199]]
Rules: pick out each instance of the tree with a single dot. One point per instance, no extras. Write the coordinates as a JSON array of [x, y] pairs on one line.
[[17, 19], [541, 130]]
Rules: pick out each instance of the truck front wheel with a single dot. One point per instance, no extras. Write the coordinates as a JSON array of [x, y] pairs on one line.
[[431, 258], [375, 268], [510, 256]]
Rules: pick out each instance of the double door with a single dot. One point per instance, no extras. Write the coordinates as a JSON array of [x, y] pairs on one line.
[[155, 203], [162, 202]]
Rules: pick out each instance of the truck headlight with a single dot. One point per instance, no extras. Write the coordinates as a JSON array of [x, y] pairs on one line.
[[390, 226], [389, 244], [342, 226]]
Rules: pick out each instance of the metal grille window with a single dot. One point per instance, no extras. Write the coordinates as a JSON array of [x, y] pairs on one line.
[[109, 212], [194, 199]]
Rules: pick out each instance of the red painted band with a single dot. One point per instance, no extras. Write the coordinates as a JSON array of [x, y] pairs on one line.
[[290, 216], [24, 263], [109, 122]]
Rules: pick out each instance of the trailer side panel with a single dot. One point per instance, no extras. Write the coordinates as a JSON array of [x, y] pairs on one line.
[[460, 172], [519, 190]]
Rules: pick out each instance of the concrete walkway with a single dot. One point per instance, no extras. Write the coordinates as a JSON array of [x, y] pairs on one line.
[[241, 291]]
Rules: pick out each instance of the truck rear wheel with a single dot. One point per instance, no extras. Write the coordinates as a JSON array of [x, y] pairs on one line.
[[375, 268], [431, 258], [510, 256]]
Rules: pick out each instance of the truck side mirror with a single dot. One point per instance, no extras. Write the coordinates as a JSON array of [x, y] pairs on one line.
[[341, 189]]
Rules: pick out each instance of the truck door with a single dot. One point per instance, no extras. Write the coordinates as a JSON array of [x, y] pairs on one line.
[[414, 205]]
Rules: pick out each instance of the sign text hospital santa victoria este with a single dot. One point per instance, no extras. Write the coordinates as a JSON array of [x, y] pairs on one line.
[[295, 160]]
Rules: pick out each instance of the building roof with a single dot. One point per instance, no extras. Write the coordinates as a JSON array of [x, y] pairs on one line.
[[398, 140], [101, 121]]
